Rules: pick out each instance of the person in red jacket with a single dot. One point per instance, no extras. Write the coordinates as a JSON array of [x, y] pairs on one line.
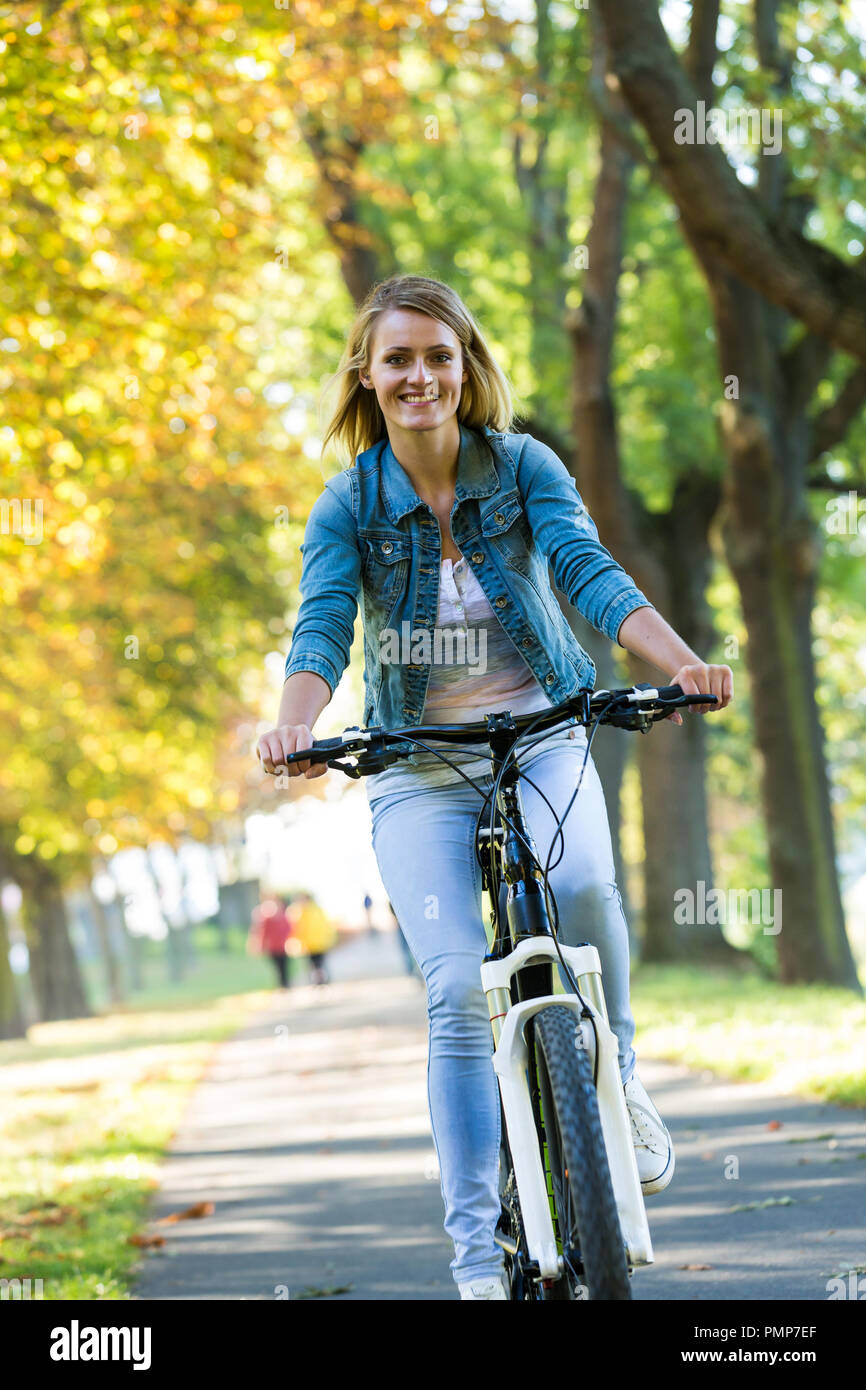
[[269, 934]]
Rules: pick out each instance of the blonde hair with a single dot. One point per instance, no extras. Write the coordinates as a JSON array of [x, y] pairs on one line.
[[487, 398]]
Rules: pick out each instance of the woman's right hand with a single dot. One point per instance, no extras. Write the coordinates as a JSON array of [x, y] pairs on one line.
[[274, 746]]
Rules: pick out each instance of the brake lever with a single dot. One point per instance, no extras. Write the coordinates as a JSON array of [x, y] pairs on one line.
[[350, 769]]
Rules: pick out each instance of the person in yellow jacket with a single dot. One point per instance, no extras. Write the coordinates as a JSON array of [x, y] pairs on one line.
[[316, 935]]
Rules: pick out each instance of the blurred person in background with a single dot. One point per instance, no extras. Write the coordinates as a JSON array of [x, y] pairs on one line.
[[315, 934], [270, 931], [368, 914]]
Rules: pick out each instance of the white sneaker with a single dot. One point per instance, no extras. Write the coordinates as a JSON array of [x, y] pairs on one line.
[[653, 1147], [485, 1288]]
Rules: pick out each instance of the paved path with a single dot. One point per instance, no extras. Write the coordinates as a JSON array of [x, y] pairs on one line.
[[311, 1135]]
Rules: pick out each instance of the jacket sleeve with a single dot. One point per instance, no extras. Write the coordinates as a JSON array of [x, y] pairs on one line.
[[565, 532], [330, 582]]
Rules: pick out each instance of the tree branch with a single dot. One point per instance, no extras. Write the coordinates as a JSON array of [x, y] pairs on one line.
[[832, 424], [813, 284], [700, 56]]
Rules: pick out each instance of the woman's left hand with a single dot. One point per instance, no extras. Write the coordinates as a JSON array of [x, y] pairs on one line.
[[700, 679]]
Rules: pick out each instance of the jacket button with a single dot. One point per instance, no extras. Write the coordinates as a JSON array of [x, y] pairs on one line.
[[387, 547], [549, 678], [498, 518], [526, 642], [477, 557], [500, 602]]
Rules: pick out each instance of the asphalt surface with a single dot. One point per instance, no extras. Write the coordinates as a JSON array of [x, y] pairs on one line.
[[311, 1136]]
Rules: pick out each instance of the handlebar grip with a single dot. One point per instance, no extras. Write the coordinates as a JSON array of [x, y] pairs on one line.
[[675, 692], [322, 749]]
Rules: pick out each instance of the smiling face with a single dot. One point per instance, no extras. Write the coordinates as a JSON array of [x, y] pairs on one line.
[[416, 369]]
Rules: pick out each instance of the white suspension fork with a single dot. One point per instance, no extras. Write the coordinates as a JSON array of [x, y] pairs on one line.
[[510, 1062]]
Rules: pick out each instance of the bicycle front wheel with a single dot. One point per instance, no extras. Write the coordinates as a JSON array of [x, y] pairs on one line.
[[581, 1192]]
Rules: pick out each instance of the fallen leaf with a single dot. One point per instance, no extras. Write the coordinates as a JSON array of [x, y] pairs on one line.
[[694, 1266], [146, 1241], [197, 1209], [768, 1202], [48, 1218], [37, 1217], [775, 1124]]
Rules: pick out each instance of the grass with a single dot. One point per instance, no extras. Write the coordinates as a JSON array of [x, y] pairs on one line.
[[88, 1108], [806, 1040]]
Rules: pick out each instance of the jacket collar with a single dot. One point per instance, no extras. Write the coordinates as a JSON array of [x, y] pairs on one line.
[[476, 472]]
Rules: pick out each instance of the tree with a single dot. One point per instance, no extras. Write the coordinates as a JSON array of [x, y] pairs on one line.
[[768, 435]]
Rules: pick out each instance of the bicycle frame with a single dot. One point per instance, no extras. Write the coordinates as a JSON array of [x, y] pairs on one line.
[[521, 962]]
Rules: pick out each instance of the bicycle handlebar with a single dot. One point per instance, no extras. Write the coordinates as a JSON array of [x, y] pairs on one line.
[[636, 708]]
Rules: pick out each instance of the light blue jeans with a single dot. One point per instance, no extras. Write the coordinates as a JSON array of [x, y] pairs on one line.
[[423, 842]]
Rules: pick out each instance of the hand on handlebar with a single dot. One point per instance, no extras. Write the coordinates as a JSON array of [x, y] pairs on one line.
[[699, 678], [274, 746]]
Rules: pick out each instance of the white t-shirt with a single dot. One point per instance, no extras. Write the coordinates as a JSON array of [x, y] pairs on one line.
[[475, 670]]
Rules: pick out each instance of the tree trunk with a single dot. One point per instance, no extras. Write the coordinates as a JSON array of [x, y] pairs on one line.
[[671, 758], [173, 944], [54, 971], [189, 924], [116, 913], [12, 1023], [667, 555], [773, 552], [132, 946], [111, 965]]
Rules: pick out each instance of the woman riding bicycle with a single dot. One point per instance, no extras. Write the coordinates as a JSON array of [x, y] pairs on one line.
[[444, 528]]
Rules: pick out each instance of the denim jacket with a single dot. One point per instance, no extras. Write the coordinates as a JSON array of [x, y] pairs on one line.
[[369, 536]]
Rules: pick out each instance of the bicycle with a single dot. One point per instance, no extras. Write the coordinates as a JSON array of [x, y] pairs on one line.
[[573, 1224]]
